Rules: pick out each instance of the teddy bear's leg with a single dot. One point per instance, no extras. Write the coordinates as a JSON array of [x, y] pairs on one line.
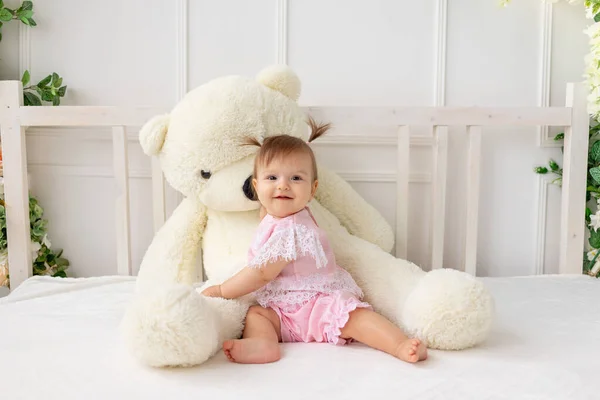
[[174, 326], [449, 309], [231, 314], [168, 322]]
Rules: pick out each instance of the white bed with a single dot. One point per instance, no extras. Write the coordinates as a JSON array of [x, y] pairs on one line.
[[60, 341], [59, 338]]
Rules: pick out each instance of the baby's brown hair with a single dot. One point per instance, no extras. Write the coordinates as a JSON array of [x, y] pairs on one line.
[[284, 145]]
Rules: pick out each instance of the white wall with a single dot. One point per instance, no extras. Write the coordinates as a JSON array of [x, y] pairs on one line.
[[355, 52]]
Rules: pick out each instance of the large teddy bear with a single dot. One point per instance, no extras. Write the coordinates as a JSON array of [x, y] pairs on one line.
[[200, 148]]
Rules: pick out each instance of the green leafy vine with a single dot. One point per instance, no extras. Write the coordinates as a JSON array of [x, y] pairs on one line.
[[46, 261]]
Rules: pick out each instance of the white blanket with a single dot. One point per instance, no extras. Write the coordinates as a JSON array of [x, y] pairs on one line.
[[59, 340]]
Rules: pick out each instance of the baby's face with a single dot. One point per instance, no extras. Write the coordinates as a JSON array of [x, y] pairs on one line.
[[285, 186]]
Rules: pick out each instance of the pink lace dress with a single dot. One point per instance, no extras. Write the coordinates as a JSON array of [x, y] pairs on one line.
[[312, 295]]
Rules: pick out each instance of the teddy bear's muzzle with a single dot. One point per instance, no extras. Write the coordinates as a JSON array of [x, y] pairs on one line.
[[248, 190]]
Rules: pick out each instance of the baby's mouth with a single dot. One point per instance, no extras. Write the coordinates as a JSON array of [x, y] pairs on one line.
[[283, 198]]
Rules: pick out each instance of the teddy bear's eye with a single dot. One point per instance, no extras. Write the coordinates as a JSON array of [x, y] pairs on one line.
[[205, 174]]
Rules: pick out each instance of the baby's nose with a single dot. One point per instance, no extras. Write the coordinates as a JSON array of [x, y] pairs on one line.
[[283, 185]]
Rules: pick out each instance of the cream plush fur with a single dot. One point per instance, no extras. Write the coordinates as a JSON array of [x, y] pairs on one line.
[[198, 144]]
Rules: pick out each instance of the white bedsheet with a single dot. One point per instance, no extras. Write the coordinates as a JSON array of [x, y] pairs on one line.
[[59, 340]]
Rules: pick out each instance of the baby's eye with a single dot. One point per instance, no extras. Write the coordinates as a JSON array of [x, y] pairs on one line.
[[272, 177], [296, 178]]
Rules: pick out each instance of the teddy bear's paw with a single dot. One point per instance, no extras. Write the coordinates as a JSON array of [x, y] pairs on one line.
[[449, 310], [171, 327]]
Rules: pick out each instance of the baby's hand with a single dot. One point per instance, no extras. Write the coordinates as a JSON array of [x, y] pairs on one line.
[[213, 291]]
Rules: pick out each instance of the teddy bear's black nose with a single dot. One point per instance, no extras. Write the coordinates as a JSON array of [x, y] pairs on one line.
[[247, 188]]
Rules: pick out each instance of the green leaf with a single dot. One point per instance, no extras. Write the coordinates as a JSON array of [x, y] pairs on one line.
[[1, 3], [45, 81], [587, 266], [62, 262], [595, 173], [588, 212], [37, 211], [560, 136], [595, 151], [25, 20], [597, 17], [32, 99], [540, 170], [47, 95], [26, 77], [54, 79], [553, 165], [32, 22], [27, 5], [5, 15], [56, 101], [57, 82], [42, 257], [62, 91], [60, 274], [594, 239], [593, 189], [24, 14], [38, 233]]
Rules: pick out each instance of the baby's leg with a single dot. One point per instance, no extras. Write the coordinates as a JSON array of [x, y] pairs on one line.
[[260, 343], [376, 331]]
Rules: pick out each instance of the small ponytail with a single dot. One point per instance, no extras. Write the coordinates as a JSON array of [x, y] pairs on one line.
[[317, 130], [250, 141]]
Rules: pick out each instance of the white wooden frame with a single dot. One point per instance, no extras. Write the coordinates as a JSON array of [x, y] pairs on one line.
[[14, 118]]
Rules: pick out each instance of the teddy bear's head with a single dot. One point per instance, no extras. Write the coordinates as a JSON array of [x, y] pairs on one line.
[[201, 143]]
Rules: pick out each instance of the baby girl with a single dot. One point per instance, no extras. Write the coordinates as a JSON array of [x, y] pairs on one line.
[[303, 295]]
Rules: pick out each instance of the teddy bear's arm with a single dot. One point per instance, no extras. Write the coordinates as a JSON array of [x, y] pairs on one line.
[[171, 257], [358, 216]]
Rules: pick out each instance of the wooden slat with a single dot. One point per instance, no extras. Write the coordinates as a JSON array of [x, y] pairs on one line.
[[438, 201], [472, 204], [16, 189], [87, 115], [372, 116], [402, 198], [574, 182], [122, 215], [369, 140], [448, 116], [158, 195]]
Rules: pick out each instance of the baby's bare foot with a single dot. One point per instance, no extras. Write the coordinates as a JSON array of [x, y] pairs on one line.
[[252, 351], [412, 350]]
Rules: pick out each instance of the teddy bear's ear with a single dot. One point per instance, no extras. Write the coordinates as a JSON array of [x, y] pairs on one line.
[[282, 79], [153, 133]]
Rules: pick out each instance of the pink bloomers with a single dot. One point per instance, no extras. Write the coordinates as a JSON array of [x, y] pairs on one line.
[[319, 320]]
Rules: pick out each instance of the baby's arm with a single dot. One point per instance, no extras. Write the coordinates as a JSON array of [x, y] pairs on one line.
[[246, 281]]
